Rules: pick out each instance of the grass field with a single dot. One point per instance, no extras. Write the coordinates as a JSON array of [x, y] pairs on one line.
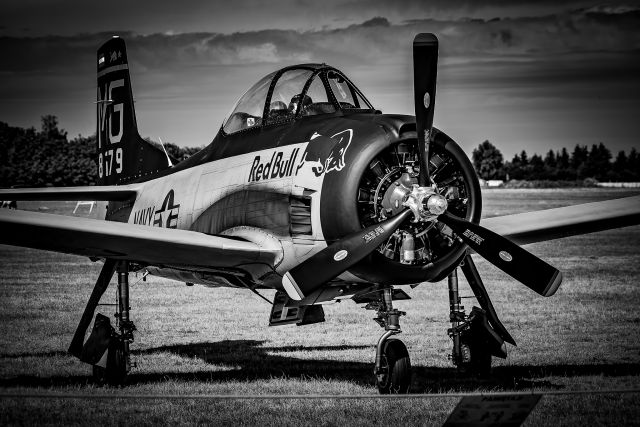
[[193, 340]]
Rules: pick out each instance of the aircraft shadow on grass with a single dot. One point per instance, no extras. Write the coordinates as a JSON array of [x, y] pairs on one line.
[[251, 360]]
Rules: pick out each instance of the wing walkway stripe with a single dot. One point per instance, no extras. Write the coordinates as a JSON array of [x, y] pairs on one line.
[[4, 395]]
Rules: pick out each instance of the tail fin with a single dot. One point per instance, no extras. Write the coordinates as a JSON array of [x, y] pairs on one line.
[[123, 155]]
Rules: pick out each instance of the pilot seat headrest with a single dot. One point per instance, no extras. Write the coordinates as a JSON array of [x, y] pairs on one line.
[[306, 101]]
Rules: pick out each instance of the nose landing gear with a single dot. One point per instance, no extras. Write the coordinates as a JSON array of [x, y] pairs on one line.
[[393, 367]]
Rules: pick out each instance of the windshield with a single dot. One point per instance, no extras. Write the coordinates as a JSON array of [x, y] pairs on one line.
[[247, 112], [319, 101], [345, 93], [287, 95]]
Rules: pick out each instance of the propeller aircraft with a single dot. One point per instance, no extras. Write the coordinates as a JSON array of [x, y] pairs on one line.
[[308, 190]]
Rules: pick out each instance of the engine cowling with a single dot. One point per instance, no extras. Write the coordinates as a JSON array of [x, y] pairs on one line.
[[382, 172]]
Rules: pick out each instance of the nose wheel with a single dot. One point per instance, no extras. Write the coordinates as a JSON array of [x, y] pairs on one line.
[[393, 367], [394, 374]]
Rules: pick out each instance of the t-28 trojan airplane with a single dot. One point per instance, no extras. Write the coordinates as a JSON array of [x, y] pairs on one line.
[[308, 190]]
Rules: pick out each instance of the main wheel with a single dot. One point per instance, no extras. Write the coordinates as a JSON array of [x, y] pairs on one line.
[[116, 371], [395, 377], [476, 356]]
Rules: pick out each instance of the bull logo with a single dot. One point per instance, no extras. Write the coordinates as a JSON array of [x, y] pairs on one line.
[[334, 160]]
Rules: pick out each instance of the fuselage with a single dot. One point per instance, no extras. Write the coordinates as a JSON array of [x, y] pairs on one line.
[[273, 180], [298, 182]]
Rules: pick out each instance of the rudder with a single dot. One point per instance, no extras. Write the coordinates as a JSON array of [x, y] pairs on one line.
[[123, 156]]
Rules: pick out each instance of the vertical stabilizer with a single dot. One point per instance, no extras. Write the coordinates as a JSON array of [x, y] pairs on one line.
[[123, 155]]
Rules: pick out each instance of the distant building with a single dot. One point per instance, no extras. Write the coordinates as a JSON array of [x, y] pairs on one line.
[[619, 184]]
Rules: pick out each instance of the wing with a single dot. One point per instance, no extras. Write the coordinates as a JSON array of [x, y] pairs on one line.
[[138, 243], [548, 224], [106, 192]]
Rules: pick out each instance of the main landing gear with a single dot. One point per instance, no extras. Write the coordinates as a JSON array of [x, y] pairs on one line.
[[393, 367], [107, 348], [118, 363], [469, 354]]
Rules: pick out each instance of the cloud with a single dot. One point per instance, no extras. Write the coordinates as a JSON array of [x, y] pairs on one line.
[[572, 56], [67, 17], [369, 43], [378, 21]]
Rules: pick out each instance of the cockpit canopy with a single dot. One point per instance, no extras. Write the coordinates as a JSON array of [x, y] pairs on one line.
[[294, 92]]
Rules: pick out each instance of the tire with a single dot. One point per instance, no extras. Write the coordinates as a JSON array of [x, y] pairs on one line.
[[477, 357], [396, 378], [115, 374]]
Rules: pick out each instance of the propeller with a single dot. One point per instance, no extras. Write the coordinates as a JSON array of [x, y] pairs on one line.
[[425, 70], [425, 204], [518, 263]]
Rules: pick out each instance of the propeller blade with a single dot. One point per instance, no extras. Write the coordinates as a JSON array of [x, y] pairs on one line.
[[336, 258], [520, 264], [425, 70]]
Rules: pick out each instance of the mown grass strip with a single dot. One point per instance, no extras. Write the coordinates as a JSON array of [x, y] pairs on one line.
[[306, 396]]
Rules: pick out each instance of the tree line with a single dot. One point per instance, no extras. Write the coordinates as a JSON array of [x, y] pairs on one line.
[[582, 163], [47, 157]]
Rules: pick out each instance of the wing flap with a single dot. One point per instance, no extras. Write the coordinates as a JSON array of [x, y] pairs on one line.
[[549, 224], [139, 243], [98, 192]]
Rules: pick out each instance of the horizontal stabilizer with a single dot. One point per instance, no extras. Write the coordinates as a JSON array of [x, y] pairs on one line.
[[99, 193], [138, 243]]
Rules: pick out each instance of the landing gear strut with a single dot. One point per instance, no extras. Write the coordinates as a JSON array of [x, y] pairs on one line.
[[118, 363], [393, 367], [474, 340]]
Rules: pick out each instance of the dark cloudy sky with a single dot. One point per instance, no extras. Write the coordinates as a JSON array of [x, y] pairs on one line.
[[525, 75]]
